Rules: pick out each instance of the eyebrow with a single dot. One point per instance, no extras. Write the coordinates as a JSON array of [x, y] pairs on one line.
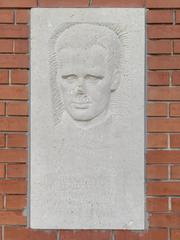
[[95, 76]]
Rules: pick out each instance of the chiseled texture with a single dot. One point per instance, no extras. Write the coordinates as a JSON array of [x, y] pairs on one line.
[[163, 155]]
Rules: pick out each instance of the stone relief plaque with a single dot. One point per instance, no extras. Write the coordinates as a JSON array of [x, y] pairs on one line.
[[87, 118]]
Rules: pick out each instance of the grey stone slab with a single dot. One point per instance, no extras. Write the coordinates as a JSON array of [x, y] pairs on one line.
[[87, 118]]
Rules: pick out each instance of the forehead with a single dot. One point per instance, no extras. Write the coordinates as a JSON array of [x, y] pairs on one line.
[[91, 55]]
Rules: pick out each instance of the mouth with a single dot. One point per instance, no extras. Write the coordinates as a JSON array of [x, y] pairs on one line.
[[81, 102], [79, 105]]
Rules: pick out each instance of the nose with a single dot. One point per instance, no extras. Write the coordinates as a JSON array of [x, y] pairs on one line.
[[80, 86]]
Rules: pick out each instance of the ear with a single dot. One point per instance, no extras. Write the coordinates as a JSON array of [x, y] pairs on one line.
[[115, 80]]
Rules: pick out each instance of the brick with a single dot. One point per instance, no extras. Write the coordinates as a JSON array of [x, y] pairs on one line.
[[22, 16], [14, 31], [19, 76], [157, 140], [159, 46], [175, 234], [176, 46], [6, 16], [163, 31], [175, 140], [86, 235], [21, 233], [152, 234], [6, 46], [16, 202], [4, 77], [14, 61], [17, 108], [2, 108], [2, 170], [117, 3], [158, 78], [177, 16], [164, 220], [1, 206], [16, 171], [2, 140], [12, 218], [13, 186], [163, 188], [13, 124], [9, 155], [162, 4], [175, 202], [160, 16], [157, 172], [163, 125], [18, 3], [164, 93], [16, 140], [63, 3], [13, 92], [164, 62], [157, 204], [174, 109], [21, 46], [175, 172], [176, 78], [157, 109], [162, 156]]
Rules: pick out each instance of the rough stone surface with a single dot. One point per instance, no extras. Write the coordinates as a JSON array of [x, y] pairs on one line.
[[87, 119]]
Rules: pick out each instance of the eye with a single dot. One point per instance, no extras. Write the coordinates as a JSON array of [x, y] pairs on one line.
[[93, 77], [69, 77]]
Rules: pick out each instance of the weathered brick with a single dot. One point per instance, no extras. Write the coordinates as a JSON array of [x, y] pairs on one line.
[[16, 171], [158, 78], [13, 186], [164, 220], [175, 140], [163, 31], [63, 3], [157, 109], [6, 16], [162, 156], [163, 125], [163, 188], [17, 108], [9, 155], [17, 233], [157, 140], [14, 31], [157, 171], [4, 76], [18, 3], [16, 201], [164, 62], [156, 204], [22, 16], [13, 92], [160, 16], [19, 76], [21, 46], [117, 3], [159, 46], [6, 46], [16, 140]]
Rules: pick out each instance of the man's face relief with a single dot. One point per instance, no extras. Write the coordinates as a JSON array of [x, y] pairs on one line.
[[85, 80]]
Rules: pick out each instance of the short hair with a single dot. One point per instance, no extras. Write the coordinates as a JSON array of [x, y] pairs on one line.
[[81, 35]]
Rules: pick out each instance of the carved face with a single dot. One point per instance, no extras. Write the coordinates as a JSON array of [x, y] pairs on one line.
[[85, 80]]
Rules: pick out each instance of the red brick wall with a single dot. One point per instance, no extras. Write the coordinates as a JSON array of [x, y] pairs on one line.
[[163, 111]]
